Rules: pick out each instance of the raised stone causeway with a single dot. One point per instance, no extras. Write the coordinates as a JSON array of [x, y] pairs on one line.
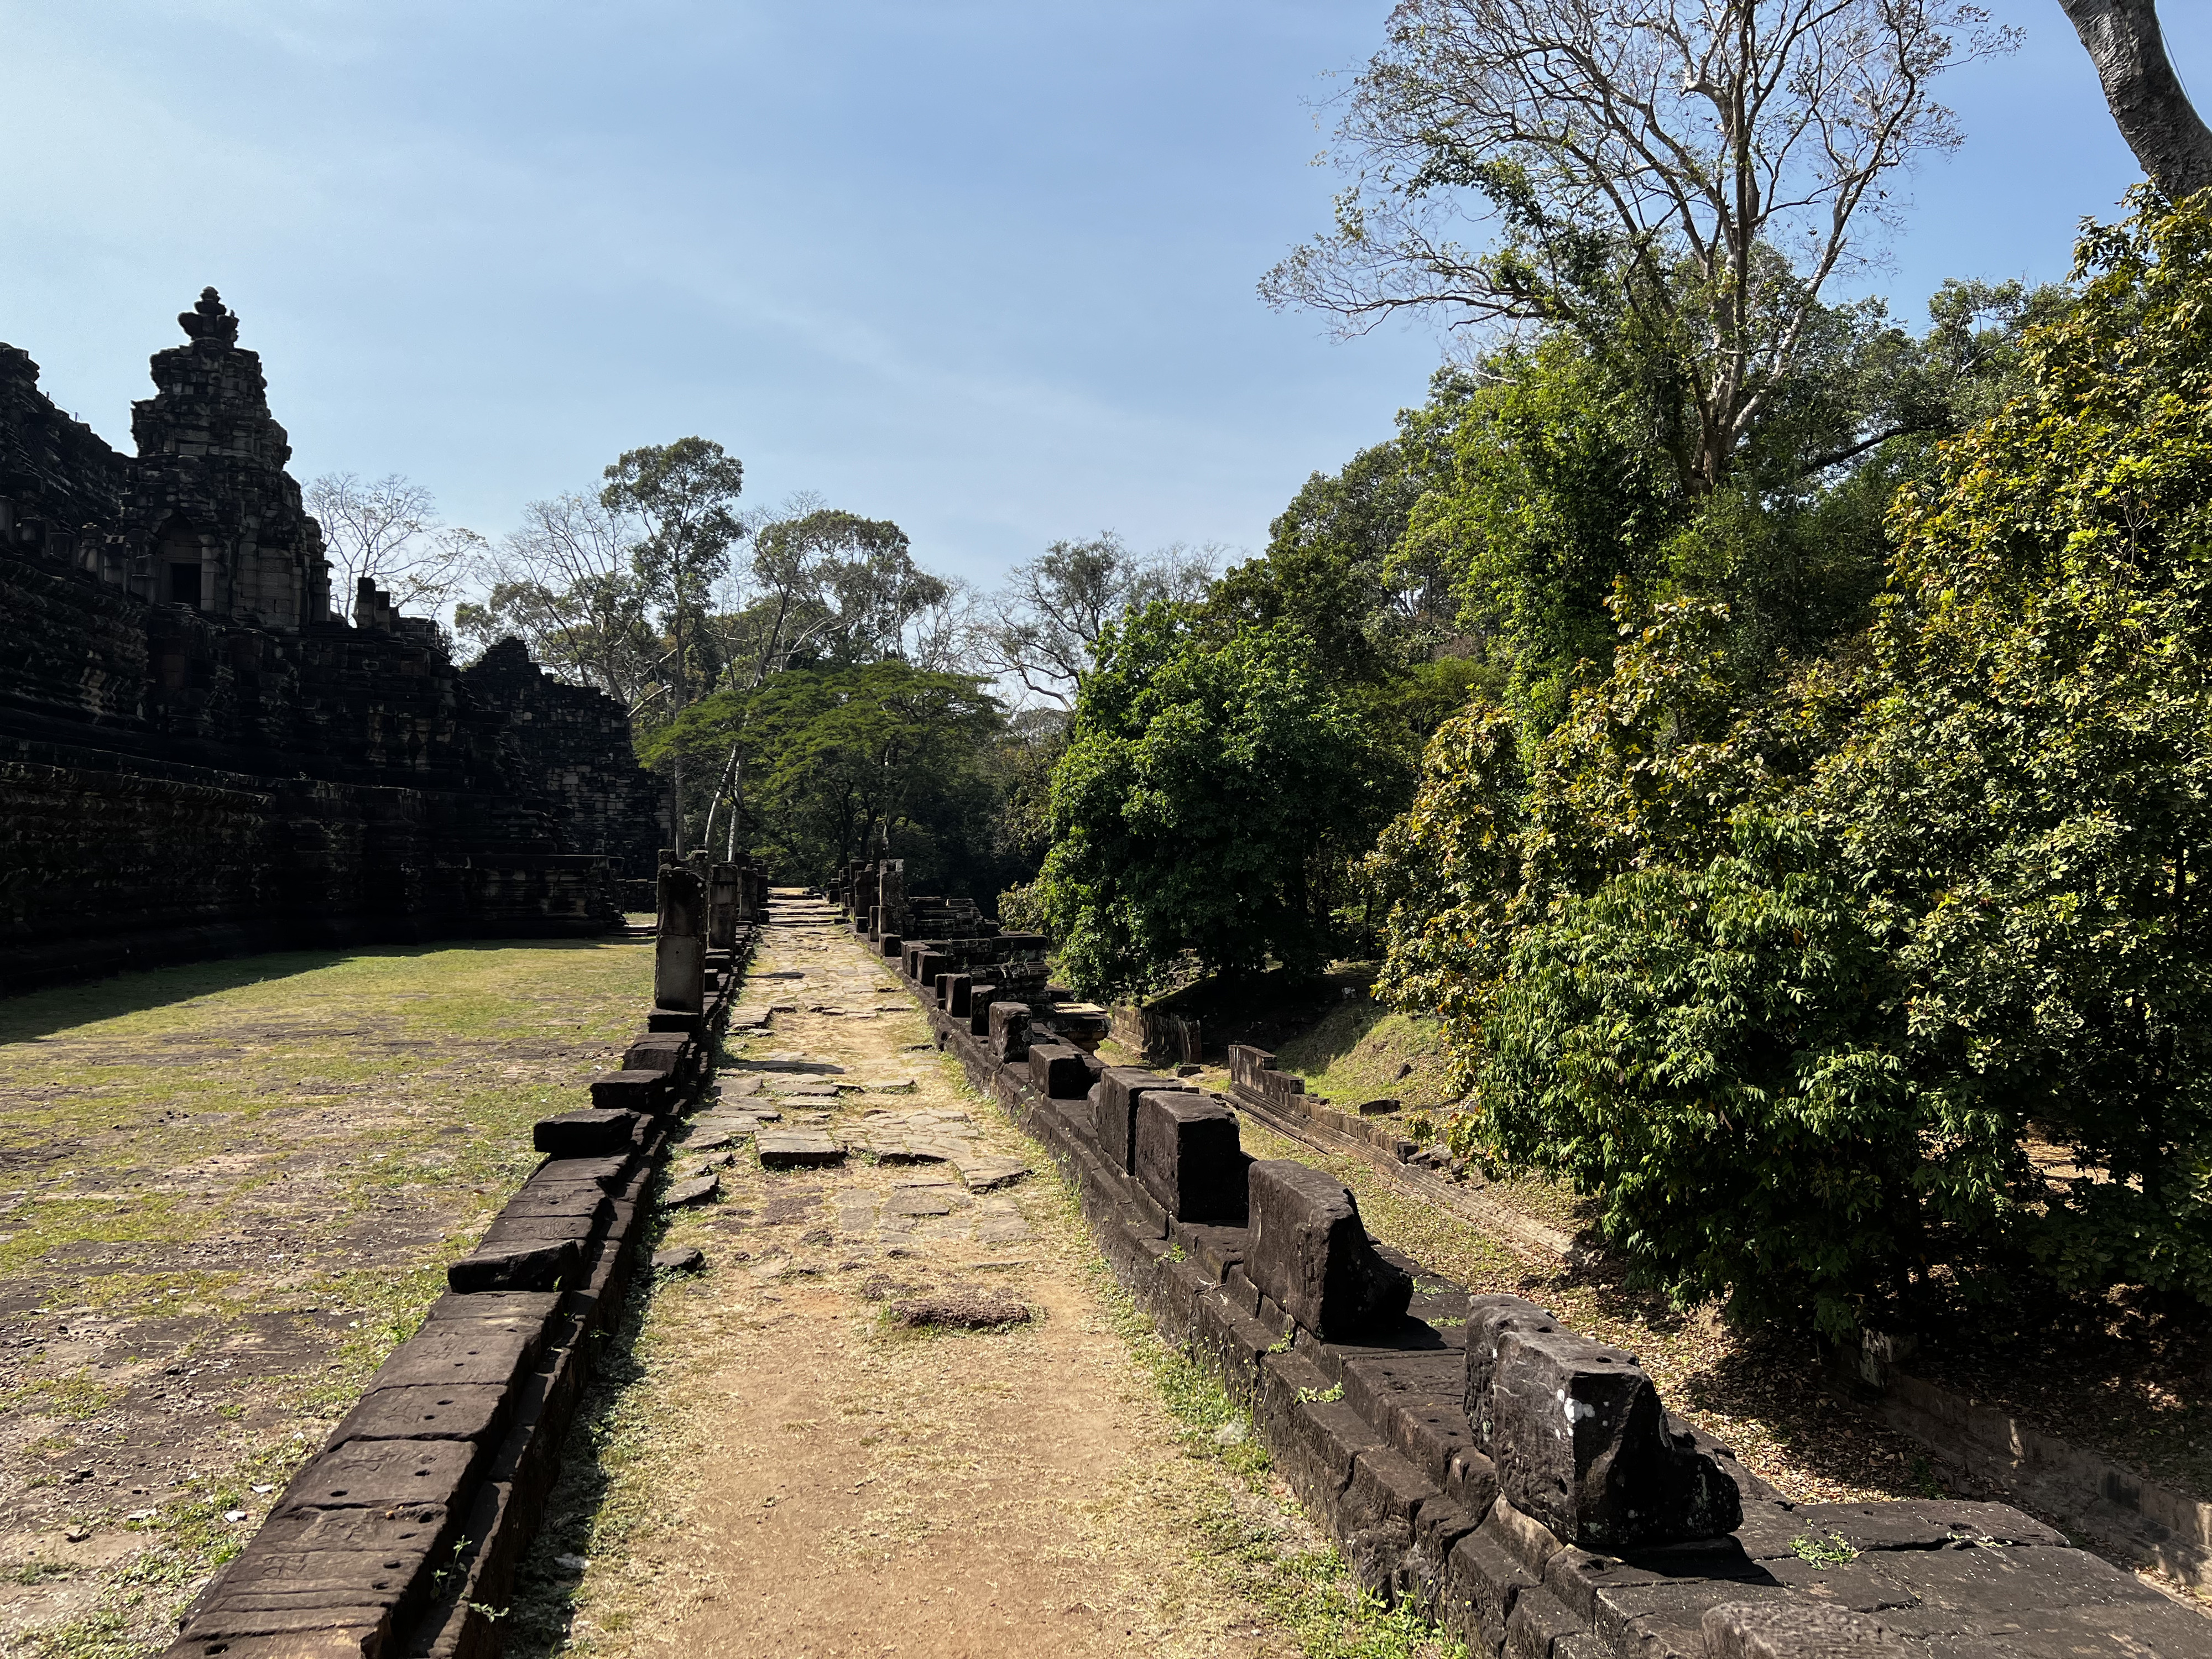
[[1518, 1483]]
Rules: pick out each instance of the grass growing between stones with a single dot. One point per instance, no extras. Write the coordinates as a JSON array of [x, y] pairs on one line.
[[226, 1192], [1302, 1581], [1207, 1544], [766, 1461]]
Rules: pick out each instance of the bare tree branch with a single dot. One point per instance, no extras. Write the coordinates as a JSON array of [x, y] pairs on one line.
[[1703, 167]]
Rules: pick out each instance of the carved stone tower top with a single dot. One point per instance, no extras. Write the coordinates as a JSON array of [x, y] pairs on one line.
[[211, 319]]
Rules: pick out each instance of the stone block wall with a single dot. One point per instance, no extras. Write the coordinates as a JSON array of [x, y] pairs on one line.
[[234, 768], [574, 746], [403, 1535], [1517, 1483]]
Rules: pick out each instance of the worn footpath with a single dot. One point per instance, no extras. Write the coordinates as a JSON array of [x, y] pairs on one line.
[[894, 1409]]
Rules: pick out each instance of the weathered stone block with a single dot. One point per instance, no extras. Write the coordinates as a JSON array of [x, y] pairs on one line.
[[1057, 1071], [980, 997], [1188, 1157], [657, 1051], [472, 1412], [891, 946], [1537, 1622], [593, 1134], [797, 1149], [636, 1090], [953, 988], [680, 962], [516, 1264], [1792, 1630], [584, 1203], [1581, 1442], [609, 1174], [1009, 1031], [1311, 1256], [1119, 1088], [382, 1474], [1485, 1580]]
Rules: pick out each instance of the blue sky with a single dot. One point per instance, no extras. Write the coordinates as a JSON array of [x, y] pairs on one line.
[[985, 269]]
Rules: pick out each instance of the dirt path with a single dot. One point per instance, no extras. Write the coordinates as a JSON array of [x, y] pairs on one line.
[[226, 1192], [786, 1469]]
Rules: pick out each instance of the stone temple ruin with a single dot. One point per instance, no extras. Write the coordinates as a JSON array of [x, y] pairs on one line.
[[197, 756]]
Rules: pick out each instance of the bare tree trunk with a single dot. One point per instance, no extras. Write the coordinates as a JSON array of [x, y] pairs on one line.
[[676, 801], [2154, 114]]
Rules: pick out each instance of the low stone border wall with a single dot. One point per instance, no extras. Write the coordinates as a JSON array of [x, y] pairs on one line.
[[1280, 1100], [1421, 1423], [1172, 1039], [2094, 1497], [402, 1536]]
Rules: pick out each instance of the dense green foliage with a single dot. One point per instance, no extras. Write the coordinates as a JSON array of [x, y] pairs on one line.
[[1867, 984], [840, 761], [1209, 780]]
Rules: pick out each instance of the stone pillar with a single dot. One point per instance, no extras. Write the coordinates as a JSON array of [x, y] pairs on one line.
[[722, 905], [679, 967], [891, 897]]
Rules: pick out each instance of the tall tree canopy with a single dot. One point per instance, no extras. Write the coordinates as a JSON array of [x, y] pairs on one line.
[[1876, 988], [1674, 182]]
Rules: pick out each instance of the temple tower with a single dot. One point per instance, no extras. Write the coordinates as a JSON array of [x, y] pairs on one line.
[[216, 523]]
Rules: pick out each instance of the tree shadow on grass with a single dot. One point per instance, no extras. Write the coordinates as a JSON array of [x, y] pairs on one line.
[[30, 1016]]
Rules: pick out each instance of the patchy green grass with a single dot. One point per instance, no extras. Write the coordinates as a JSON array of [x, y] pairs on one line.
[[1310, 1592], [1361, 1051], [227, 1191]]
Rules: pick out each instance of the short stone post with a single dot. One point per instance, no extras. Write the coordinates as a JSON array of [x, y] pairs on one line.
[[679, 967], [722, 905], [890, 895]]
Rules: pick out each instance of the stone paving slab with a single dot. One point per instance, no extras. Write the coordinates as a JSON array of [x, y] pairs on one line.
[[987, 1172], [797, 1149], [697, 1190]]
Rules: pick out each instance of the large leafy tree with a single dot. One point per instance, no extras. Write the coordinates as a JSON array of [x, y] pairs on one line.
[[870, 760], [1879, 986], [1048, 618], [2026, 802], [2169, 139], [1210, 784], [683, 498], [564, 584]]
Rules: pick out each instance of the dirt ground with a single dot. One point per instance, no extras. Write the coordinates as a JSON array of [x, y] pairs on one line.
[[776, 1465], [226, 1192]]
